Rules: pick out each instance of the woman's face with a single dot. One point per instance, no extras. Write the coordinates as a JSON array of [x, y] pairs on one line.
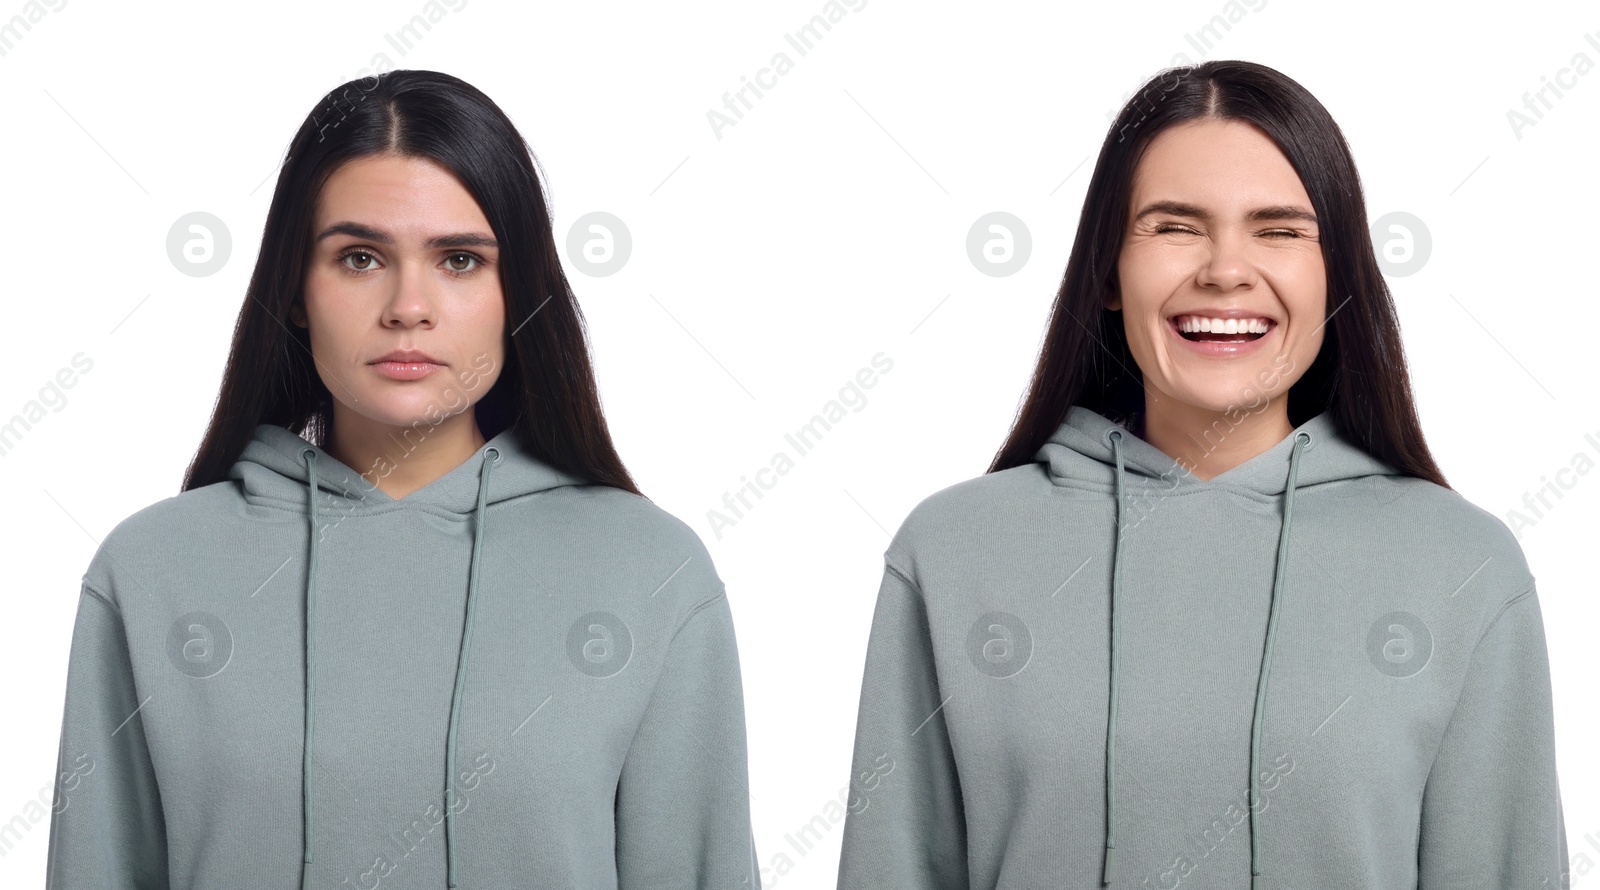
[[1220, 232], [402, 258]]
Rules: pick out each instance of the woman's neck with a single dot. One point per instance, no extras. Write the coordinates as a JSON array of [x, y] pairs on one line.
[[399, 460], [1209, 443]]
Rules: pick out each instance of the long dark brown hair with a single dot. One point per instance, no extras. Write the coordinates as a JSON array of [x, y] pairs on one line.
[[1359, 377], [546, 390]]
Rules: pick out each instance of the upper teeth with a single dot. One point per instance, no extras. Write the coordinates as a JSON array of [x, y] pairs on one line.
[[1190, 324]]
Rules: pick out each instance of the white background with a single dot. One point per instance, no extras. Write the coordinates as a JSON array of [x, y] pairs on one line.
[[768, 267]]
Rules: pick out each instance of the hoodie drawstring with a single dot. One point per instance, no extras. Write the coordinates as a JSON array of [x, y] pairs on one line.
[[461, 669], [310, 457], [1256, 881], [1111, 716], [491, 456]]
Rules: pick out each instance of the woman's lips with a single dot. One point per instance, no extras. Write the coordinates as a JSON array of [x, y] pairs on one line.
[[406, 370]]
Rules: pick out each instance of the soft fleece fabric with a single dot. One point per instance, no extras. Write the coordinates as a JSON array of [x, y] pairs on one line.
[[1403, 738], [588, 696]]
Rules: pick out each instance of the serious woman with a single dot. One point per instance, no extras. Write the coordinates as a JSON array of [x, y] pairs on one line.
[[409, 623], [1213, 618]]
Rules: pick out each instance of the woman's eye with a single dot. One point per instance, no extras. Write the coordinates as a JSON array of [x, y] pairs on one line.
[[365, 264], [1170, 227], [1281, 233], [360, 261]]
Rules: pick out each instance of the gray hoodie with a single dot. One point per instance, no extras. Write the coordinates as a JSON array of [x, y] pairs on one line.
[[565, 650], [1049, 703]]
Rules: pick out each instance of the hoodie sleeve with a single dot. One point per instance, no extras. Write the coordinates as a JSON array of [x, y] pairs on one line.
[[905, 826], [1491, 811], [683, 800], [106, 825]]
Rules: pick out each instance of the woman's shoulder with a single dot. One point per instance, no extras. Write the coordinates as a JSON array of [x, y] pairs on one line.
[[960, 515], [609, 525], [1419, 496], [156, 531], [621, 516], [1441, 525]]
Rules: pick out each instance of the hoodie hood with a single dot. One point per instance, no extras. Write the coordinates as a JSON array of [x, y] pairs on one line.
[[281, 467], [1089, 446]]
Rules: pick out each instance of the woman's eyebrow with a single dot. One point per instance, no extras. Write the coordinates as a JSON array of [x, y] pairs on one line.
[[368, 233], [1172, 208], [1283, 211], [1179, 208]]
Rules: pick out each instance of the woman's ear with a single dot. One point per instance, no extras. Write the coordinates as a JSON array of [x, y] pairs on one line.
[[297, 314], [1112, 298]]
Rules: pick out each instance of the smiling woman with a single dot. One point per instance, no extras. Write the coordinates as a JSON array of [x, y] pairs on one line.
[[1213, 585], [1223, 238], [279, 665]]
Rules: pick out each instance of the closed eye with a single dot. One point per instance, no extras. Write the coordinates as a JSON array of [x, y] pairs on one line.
[[1165, 228]]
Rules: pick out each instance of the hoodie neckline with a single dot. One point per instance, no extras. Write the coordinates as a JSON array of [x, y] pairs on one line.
[[272, 470], [1080, 451]]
